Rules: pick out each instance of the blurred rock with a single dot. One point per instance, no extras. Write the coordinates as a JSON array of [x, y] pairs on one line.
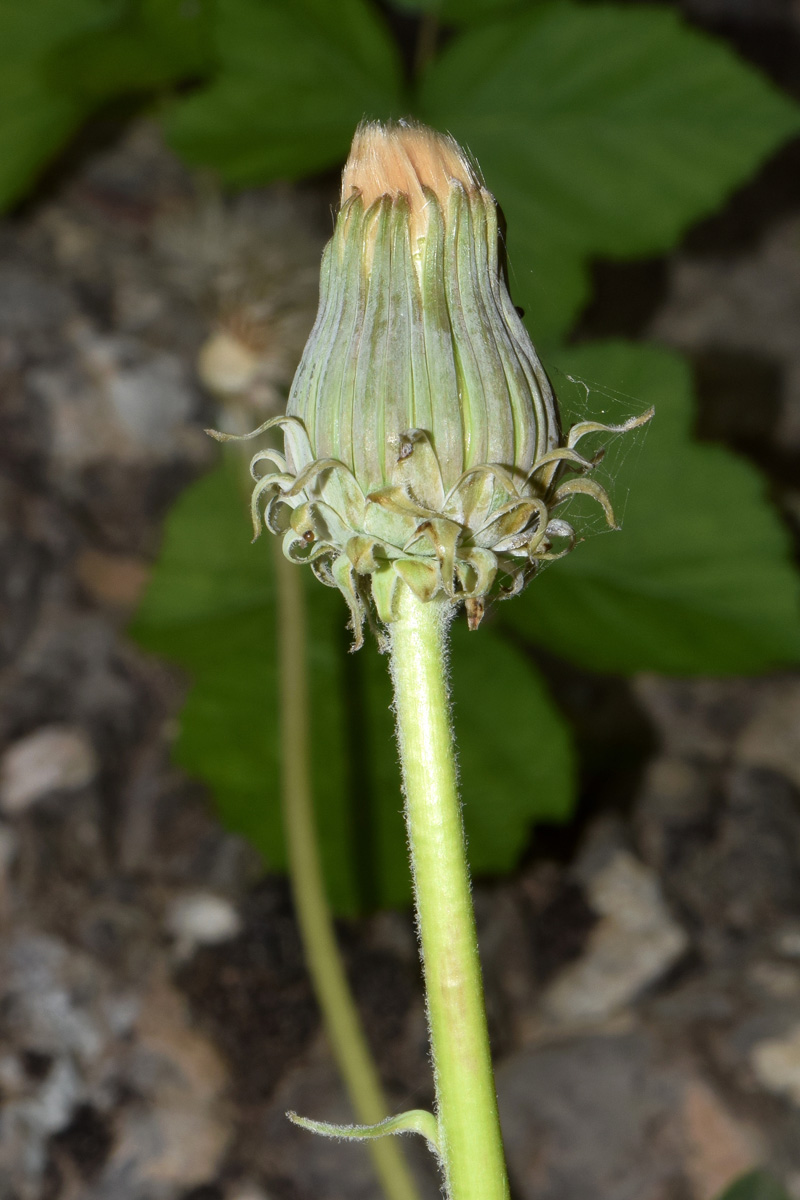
[[674, 799], [787, 941], [202, 919], [86, 1044], [751, 869], [29, 300], [116, 581], [634, 943], [8, 850], [779, 980], [75, 664], [246, 1191], [52, 1006], [772, 738], [776, 1062], [719, 1147], [697, 719], [176, 1135], [723, 835], [226, 365], [56, 758], [612, 1117], [122, 400], [578, 1118], [560, 918], [747, 302]]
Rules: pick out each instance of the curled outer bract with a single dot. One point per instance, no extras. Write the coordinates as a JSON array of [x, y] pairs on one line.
[[484, 536]]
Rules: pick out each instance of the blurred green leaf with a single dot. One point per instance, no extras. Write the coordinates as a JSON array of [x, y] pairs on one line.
[[211, 608], [602, 130], [294, 81], [153, 43], [35, 119], [700, 578], [755, 1185]]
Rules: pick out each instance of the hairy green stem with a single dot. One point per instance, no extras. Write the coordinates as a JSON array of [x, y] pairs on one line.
[[466, 1103], [339, 1012]]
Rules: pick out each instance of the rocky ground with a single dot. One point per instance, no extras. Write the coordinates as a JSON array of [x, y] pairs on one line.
[[156, 1020]]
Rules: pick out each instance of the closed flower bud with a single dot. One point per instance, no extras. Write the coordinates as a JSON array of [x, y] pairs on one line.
[[423, 446]]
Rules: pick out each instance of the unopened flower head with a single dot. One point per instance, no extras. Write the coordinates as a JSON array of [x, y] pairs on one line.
[[423, 446]]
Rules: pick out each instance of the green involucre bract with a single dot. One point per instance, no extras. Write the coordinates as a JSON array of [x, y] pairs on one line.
[[423, 446]]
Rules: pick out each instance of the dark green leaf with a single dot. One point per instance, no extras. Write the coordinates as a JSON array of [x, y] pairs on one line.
[[154, 43], [211, 608], [602, 129], [700, 577], [295, 80], [755, 1185], [35, 119]]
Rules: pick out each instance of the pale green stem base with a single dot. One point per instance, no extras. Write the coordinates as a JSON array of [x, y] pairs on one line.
[[342, 1022], [466, 1102]]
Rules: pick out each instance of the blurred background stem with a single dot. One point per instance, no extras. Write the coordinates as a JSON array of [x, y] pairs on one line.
[[342, 1022], [425, 48]]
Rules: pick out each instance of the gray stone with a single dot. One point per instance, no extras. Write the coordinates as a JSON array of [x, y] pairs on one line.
[[776, 1063], [29, 301], [787, 941], [578, 1118], [771, 739], [698, 719], [118, 400], [635, 942], [202, 919], [53, 759], [607, 1117], [745, 303]]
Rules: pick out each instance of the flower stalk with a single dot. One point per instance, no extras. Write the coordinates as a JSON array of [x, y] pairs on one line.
[[470, 1143]]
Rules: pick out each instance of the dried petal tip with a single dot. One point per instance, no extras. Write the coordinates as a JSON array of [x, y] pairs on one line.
[[405, 159], [423, 446]]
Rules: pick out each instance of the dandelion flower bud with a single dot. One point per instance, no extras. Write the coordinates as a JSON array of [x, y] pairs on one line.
[[423, 442]]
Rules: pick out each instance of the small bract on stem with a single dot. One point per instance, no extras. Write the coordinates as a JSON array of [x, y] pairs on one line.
[[424, 465]]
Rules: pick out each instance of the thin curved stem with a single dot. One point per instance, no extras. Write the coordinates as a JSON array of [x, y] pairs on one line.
[[342, 1022], [466, 1103]]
